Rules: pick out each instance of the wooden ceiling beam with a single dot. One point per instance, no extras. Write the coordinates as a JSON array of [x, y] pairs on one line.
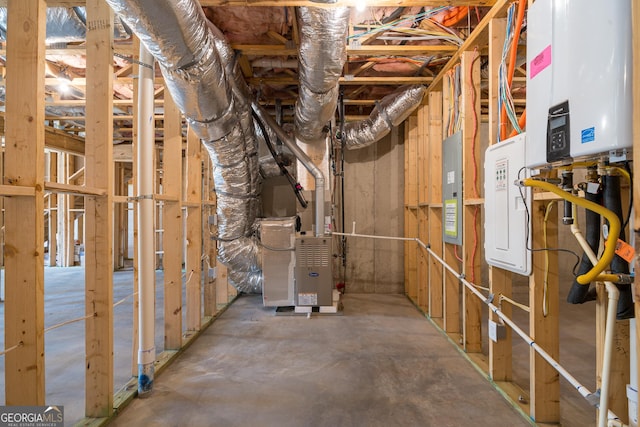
[[372, 3], [366, 50], [478, 38], [57, 139], [348, 81]]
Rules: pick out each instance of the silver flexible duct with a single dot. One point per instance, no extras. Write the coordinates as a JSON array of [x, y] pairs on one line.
[[322, 55], [66, 25], [201, 75], [392, 110]]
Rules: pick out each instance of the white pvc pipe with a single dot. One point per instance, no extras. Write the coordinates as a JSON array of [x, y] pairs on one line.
[[306, 161], [609, 333], [146, 231], [613, 419]]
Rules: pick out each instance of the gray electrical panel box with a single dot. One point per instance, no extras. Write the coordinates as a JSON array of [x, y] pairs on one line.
[[452, 189], [313, 271], [277, 237]]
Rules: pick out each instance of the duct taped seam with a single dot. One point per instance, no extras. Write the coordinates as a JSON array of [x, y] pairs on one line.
[[322, 55], [198, 67], [66, 25], [392, 110]]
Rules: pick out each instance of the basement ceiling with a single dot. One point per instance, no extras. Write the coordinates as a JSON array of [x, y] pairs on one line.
[[390, 43]]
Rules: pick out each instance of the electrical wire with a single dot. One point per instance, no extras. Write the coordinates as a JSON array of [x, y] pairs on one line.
[[404, 20], [527, 236], [476, 194], [505, 99], [545, 290]]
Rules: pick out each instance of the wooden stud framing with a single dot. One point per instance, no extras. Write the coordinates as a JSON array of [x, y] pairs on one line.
[[172, 225], [209, 251], [53, 211], [635, 7], [472, 181], [99, 211], [24, 236], [411, 206], [194, 232], [500, 281], [544, 314], [423, 194], [436, 270]]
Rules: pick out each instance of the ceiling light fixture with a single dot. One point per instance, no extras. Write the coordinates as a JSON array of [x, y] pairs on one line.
[[361, 5]]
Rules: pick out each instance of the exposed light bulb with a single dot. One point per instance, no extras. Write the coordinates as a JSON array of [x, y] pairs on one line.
[[64, 88], [361, 5]]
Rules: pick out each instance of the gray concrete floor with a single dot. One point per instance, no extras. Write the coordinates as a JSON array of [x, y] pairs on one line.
[[379, 364], [65, 346]]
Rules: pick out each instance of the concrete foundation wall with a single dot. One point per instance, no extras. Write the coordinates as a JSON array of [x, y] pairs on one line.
[[374, 197]]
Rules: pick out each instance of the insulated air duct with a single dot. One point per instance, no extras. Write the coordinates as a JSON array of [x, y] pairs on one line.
[[198, 67], [66, 25], [322, 55], [392, 110]]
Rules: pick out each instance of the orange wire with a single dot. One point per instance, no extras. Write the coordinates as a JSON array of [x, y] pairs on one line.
[[522, 123], [512, 65]]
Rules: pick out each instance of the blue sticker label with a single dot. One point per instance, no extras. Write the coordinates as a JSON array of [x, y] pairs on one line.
[[314, 274], [588, 135]]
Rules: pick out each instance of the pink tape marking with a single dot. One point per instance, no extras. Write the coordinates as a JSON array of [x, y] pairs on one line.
[[540, 62]]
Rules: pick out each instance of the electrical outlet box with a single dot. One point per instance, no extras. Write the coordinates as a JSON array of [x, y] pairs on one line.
[[507, 228], [496, 331], [452, 189]]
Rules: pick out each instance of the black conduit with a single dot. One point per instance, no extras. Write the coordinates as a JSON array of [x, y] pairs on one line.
[[297, 188], [612, 201], [579, 294]]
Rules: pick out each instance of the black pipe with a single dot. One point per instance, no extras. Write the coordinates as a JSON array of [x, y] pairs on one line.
[[342, 148], [297, 188], [612, 200], [579, 294]]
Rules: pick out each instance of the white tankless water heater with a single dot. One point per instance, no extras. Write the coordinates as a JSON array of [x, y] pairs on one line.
[[579, 72]]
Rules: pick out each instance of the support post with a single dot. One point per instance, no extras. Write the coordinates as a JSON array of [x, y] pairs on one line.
[[544, 315], [53, 211], [472, 183], [172, 224], [99, 211], [436, 270], [210, 253], [24, 237], [194, 231], [423, 198]]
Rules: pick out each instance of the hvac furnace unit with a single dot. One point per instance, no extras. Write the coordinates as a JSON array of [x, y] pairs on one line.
[[506, 226], [579, 97], [277, 237], [313, 271]]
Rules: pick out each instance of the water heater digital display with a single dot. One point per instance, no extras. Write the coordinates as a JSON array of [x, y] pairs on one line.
[[558, 135]]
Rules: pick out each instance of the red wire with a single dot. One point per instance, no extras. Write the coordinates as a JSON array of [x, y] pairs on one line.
[[475, 165]]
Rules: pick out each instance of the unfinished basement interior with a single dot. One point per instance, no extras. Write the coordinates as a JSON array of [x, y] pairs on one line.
[[319, 212]]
